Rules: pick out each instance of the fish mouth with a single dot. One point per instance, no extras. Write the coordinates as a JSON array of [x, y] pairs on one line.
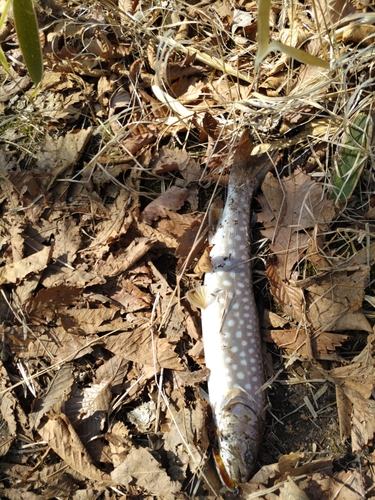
[[235, 460], [239, 433]]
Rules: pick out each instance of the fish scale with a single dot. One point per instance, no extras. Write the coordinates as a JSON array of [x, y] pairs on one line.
[[230, 327]]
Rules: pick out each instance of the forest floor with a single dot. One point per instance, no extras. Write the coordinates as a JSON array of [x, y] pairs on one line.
[[107, 173]]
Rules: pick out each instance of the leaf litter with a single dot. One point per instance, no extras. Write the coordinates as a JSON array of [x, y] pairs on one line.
[[106, 175]]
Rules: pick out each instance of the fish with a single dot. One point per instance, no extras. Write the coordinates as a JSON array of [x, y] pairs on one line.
[[230, 327]]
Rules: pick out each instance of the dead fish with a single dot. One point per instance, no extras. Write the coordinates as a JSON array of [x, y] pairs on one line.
[[230, 327]]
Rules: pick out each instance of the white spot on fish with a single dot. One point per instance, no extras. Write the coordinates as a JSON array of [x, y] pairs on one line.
[[255, 379], [240, 375], [241, 285], [235, 305], [230, 322], [228, 359], [238, 237], [248, 387], [244, 343], [241, 322], [246, 315], [243, 362], [242, 247], [232, 274], [251, 350], [234, 367], [238, 334], [254, 369], [227, 283], [234, 348], [242, 354], [245, 298]]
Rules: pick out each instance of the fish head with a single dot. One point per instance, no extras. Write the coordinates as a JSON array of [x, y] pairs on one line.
[[239, 434]]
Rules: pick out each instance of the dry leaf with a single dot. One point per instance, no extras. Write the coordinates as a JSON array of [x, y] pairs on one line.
[[170, 201], [139, 346], [170, 160], [333, 300], [357, 383], [62, 438], [7, 408], [287, 294], [306, 208], [141, 467], [56, 395], [125, 258], [56, 155], [323, 344], [131, 297], [37, 262]]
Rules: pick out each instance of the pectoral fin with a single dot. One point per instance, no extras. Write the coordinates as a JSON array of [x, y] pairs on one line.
[[198, 297]]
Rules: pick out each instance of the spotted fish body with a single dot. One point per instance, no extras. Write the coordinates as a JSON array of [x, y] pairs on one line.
[[230, 328]]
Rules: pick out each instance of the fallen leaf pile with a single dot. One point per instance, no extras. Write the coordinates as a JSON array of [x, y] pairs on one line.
[[107, 173]]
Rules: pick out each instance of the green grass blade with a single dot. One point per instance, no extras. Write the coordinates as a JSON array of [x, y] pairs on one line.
[[28, 37], [352, 158], [3, 60], [4, 14], [3, 17]]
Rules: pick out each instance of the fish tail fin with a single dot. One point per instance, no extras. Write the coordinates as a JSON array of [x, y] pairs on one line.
[[254, 168]]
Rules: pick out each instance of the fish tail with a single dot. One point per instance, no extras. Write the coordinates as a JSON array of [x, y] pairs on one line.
[[245, 166]]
